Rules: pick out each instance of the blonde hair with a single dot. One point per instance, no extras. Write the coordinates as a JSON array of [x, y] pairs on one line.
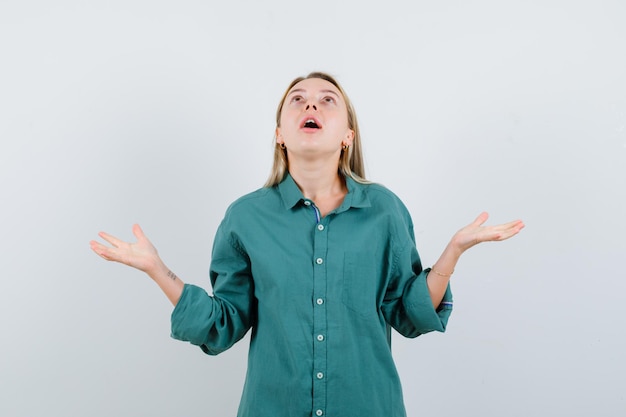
[[351, 159]]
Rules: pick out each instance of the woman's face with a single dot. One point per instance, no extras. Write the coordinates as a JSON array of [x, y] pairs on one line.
[[314, 120]]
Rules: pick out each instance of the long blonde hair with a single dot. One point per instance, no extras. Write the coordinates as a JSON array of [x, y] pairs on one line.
[[350, 160]]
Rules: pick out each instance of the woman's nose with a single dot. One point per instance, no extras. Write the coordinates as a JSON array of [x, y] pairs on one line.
[[309, 106]]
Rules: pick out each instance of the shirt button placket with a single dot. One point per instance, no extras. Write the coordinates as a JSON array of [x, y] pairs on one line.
[[320, 248]]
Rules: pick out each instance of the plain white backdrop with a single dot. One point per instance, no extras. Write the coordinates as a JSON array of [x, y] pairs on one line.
[[162, 113]]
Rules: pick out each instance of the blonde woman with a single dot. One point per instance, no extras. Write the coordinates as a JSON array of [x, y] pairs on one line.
[[320, 264]]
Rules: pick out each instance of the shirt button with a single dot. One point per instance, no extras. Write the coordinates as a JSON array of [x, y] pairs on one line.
[[320, 227], [319, 301], [319, 413], [307, 203], [320, 337], [320, 375], [319, 261]]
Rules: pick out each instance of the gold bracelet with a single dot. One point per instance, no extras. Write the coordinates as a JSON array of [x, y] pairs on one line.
[[432, 268]]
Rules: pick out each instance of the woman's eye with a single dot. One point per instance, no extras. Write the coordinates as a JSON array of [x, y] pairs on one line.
[[329, 99], [296, 99]]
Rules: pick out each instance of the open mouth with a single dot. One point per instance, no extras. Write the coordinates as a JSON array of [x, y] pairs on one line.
[[310, 124]]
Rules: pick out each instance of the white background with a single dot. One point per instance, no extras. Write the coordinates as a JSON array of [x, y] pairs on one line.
[[162, 113]]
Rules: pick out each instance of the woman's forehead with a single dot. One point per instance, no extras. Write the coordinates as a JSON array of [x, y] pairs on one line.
[[315, 84]]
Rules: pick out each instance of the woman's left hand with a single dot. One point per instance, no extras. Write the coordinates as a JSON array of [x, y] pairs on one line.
[[475, 233]]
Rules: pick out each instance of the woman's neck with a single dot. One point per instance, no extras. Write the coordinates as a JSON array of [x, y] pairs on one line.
[[320, 183]]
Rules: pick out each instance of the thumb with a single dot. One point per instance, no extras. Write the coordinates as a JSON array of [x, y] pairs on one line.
[[138, 232], [481, 219]]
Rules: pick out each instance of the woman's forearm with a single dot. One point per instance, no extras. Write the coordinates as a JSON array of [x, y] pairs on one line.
[[170, 284], [440, 273]]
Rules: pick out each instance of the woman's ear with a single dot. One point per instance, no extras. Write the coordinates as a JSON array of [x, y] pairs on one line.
[[279, 137], [349, 137]]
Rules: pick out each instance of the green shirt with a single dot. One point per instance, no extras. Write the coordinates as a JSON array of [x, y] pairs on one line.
[[320, 295]]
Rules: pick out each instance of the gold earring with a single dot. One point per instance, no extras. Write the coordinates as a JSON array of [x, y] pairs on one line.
[[282, 146]]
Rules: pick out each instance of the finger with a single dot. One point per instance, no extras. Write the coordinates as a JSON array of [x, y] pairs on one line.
[[511, 227], [481, 219], [95, 246], [138, 232], [509, 230], [505, 226], [515, 228], [513, 224], [102, 251], [111, 239]]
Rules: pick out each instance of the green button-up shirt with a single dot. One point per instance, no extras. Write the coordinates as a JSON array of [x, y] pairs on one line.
[[320, 295]]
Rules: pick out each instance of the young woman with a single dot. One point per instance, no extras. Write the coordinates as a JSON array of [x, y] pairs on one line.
[[320, 264]]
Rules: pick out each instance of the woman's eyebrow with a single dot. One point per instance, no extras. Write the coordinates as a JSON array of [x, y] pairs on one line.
[[330, 92], [302, 90]]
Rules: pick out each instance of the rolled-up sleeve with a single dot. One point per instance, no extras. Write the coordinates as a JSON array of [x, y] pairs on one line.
[[217, 322], [409, 309]]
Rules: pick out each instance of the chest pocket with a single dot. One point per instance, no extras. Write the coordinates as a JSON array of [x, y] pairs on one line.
[[360, 283]]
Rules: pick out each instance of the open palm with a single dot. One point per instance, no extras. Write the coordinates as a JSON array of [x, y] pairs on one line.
[[475, 232], [141, 254]]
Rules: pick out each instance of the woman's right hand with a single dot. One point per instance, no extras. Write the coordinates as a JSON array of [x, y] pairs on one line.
[[141, 254]]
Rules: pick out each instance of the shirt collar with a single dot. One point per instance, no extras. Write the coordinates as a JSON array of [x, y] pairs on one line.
[[356, 197], [289, 192]]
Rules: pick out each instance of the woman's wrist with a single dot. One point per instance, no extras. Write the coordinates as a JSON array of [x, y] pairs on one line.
[[156, 269], [454, 249]]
